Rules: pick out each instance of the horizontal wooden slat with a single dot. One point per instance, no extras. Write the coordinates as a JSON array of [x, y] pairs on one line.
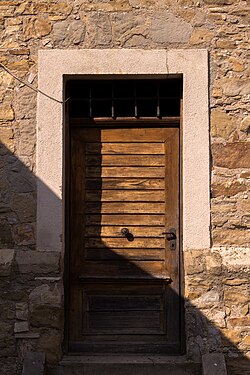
[[124, 207], [118, 254], [125, 160], [154, 134], [124, 269], [125, 195], [124, 302], [124, 319], [143, 172], [125, 220], [125, 183], [151, 148], [115, 231], [122, 242]]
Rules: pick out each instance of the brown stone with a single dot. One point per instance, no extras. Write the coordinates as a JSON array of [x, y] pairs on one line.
[[200, 36], [23, 234], [231, 155], [59, 11], [46, 316], [6, 140], [20, 51], [106, 6], [227, 189], [36, 27], [219, 2], [235, 281], [25, 207], [235, 297], [193, 262], [230, 237], [230, 337], [51, 345], [222, 125], [245, 125], [246, 341], [239, 322], [213, 264], [6, 112], [225, 44]]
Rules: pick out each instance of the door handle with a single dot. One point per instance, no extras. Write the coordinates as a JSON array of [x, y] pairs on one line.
[[126, 233], [171, 237]]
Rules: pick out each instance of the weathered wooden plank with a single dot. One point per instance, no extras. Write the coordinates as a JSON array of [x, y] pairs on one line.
[[125, 183], [124, 269], [124, 319], [125, 219], [124, 207], [125, 160], [125, 195], [122, 242], [151, 148], [154, 134], [118, 254], [125, 302], [143, 172], [115, 231]]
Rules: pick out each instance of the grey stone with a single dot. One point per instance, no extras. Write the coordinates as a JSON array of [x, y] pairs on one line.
[[34, 364], [22, 311], [98, 30], [20, 177], [37, 262], [25, 104], [21, 327], [45, 295], [214, 364], [68, 33], [167, 28], [127, 25], [6, 260]]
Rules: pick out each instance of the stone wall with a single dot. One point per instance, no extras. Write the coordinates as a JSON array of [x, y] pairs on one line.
[[216, 279]]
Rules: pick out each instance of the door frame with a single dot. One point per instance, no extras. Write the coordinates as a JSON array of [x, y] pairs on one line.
[[54, 65]]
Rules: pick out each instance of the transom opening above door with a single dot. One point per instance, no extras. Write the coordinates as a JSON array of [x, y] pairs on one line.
[[124, 98]]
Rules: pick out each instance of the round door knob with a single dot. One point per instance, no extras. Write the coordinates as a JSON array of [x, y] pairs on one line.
[[124, 231]]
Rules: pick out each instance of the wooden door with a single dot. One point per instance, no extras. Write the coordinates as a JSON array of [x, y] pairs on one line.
[[124, 269]]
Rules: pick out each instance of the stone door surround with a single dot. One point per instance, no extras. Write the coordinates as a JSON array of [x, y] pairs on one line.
[[53, 65]]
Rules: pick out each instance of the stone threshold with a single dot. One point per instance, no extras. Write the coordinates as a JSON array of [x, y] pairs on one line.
[[74, 359]]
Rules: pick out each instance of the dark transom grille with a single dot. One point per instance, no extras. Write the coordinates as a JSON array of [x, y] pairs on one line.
[[124, 98]]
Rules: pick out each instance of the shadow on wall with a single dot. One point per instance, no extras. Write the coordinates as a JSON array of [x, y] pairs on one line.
[[32, 316]]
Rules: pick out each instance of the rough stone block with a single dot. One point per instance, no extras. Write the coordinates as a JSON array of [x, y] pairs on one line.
[[21, 327], [162, 26], [213, 364], [34, 364], [45, 295], [6, 260], [222, 125], [231, 155], [37, 262]]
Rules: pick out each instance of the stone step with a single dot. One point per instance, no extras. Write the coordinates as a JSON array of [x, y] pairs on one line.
[[148, 365]]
